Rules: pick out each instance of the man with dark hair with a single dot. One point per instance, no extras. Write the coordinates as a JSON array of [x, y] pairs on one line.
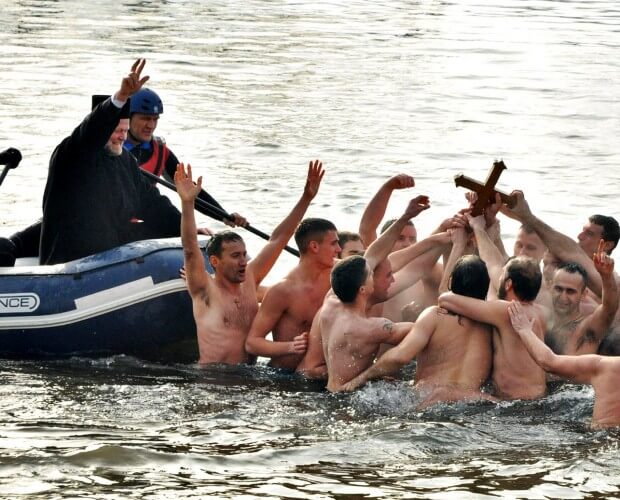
[[515, 374], [349, 338], [350, 244], [225, 305], [599, 227], [288, 307], [94, 187], [571, 332], [454, 354]]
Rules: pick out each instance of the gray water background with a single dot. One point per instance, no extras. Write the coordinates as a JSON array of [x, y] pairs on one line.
[[252, 91]]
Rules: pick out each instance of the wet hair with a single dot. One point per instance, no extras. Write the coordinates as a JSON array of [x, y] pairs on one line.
[[526, 277], [574, 268], [348, 276], [389, 222], [526, 228], [470, 277], [610, 345], [214, 247], [312, 229], [611, 229], [345, 236]]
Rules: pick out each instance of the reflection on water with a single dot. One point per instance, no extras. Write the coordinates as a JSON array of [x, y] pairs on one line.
[[119, 425], [253, 90]]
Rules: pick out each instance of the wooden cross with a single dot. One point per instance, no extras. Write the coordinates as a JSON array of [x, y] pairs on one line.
[[486, 192]]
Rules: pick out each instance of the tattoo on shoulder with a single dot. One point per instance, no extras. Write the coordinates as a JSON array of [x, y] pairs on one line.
[[388, 326]]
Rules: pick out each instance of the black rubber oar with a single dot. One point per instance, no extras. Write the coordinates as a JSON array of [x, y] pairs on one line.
[[10, 158], [209, 210]]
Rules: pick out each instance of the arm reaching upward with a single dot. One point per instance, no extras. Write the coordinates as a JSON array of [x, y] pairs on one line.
[[197, 277], [380, 248], [264, 261], [563, 247], [375, 210]]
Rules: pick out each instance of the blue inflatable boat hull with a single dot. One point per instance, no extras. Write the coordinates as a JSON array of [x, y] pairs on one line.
[[129, 300]]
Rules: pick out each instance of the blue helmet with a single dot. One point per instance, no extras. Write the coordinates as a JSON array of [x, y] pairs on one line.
[[146, 101]]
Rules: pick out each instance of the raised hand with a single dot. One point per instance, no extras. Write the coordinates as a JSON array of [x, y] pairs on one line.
[[478, 222], [133, 81], [186, 188], [417, 205], [490, 212], [520, 322], [313, 181], [521, 211], [401, 181], [604, 263]]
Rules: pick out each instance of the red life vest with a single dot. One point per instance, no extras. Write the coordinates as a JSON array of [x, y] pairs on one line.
[[157, 161]]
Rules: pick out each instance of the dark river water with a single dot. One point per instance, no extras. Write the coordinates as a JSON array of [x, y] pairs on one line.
[[252, 91]]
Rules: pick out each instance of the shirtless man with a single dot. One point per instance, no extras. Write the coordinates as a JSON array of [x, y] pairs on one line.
[[515, 374], [225, 305], [313, 364], [288, 308], [602, 372], [417, 282], [454, 354], [351, 339], [571, 332]]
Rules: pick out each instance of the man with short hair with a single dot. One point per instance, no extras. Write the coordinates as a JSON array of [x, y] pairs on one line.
[[225, 305], [94, 187], [349, 337], [572, 332], [602, 372], [529, 244], [454, 354], [288, 308]]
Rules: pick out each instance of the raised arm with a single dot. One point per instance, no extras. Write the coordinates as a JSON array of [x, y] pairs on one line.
[[197, 277], [563, 247], [375, 210], [401, 258], [381, 247], [489, 253], [600, 321], [581, 369], [266, 258], [459, 242]]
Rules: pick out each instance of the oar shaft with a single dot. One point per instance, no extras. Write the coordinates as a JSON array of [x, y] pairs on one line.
[[5, 171], [212, 211]]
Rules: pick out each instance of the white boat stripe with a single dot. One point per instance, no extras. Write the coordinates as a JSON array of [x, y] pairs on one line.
[[84, 313]]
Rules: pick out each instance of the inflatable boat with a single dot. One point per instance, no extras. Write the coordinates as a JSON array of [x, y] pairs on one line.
[[128, 300]]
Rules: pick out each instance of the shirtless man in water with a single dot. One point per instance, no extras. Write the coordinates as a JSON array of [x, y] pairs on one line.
[[602, 372], [454, 354], [515, 374], [571, 332], [225, 305], [350, 339], [289, 306]]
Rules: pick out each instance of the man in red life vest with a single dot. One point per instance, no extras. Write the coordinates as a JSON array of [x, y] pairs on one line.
[[151, 152]]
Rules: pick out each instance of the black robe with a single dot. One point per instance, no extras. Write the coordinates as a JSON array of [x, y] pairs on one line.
[[91, 195]]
